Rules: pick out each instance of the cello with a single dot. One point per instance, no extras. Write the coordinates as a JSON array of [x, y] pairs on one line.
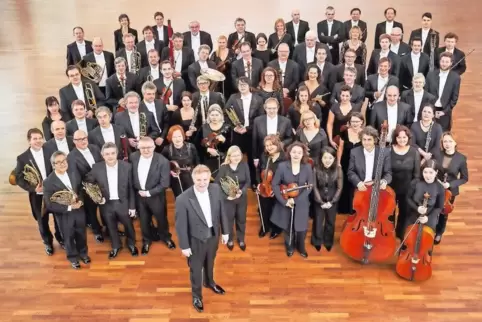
[[368, 235], [415, 260]]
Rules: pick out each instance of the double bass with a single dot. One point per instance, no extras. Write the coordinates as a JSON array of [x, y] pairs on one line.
[[415, 260], [368, 235]]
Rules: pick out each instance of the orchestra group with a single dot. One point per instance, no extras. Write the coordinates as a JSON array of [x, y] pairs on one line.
[[303, 117]]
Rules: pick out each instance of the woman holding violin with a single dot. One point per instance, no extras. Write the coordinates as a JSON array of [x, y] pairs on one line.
[[311, 135], [302, 104], [292, 185], [185, 116], [223, 57], [268, 164], [318, 91], [427, 134], [215, 138], [453, 173], [270, 86], [183, 158], [327, 187], [233, 175]]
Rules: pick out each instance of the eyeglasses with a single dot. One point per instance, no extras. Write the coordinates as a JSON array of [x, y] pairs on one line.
[[81, 139], [146, 148], [62, 162], [350, 56]]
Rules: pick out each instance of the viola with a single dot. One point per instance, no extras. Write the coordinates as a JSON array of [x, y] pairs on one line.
[[166, 94], [448, 204], [292, 190], [211, 141], [415, 260], [368, 235], [265, 189]]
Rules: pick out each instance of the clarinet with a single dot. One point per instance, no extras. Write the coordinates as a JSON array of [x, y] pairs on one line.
[[429, 136]]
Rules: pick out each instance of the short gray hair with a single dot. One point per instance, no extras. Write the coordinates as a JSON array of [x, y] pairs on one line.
[[119, 60], [132, 94], [109, 145], [418, 76], [101, 109], [55, 155], [148, 86], [204, 47]]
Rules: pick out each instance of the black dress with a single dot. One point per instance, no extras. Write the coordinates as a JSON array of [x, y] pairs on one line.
[[47, 123], [264, 55], [345, 205], [213, 163], [275, 94], [295, 116], [317, 143], [340, 120], [420, 138], [321, 90], [415, 197], [176, 119], [186, 157]]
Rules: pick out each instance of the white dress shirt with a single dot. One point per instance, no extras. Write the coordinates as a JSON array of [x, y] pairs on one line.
[[321, 66], [246, 106], [129, 59], [82, 124], [177, 60], [392, 112], [62, 145], [81, 48], [415, 62], [441, 86], [108, 134], [134, 118], [384, 54], [79, 91], [143, 170], [203, 64], [154, 72], [310, 55], [395, 47], [152, 108], [354, 23], [65, 179], [418, 101], [382, 81], [112, 181], [195, 44], [388, 27], [87, 156], [282, 66], [369, 164], [160, 33], [203, 199], [296, 28], [38, 157], [424, 36], [100, 60], [271, 125], [150, 45]]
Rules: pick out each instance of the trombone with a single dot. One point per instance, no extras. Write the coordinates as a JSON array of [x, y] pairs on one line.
[[90, 97]]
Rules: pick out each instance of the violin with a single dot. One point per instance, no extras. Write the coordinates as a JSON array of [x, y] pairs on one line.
[[211, 141], [166, 93], [292, 190], [176, 168], [415, 260], [368, 235], [448, 204], [311, 162], [265, 189]]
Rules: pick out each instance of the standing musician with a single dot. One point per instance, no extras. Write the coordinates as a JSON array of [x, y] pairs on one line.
[[215, 138], [306, 52], [200, 216], [68, 208], [270, 86], [331, 32], [326, 74], [183, 155], [384, 51], [357, 91], [125, 28], [157, 108], [355, 20], [297, 28], [203, 99], [36, 163], [417, 97], [169, 88], [426, 33], [278, 37], [160, 30], [377, 84], [302, 104], [80, 122], [186, 117], [427, 134], [149, 43], [233, 177], [152, 71], [60, 141], [397, 45], [261, 51], [195, 38], [349, 58], [288, 69], [247, 66], [354, 42], [114, 178], [272, 156], [79, 48], [292, 213], [81, 159], [315, 81], [151, 177], [312, 135], [444, 84], [203, 63], [453, 167], [53, 114], [106, 131], [119, 84], [415, 63], [103, 58], [223, 57], [79, 89], [130, 54], [459, 63], [183, 57], [386, 26], [327, 187], [240, 36]]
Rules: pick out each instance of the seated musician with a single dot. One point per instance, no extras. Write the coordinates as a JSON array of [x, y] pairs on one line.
[[327, 187], [119, 84], [169, 88], [357, 92], [235, 207], [363, 161], [270, 86], [417, 97], [288, 70], [80, 122], [196, 68], [292, 213], [269, 161], [60, 141], [182, 58], [152, 71], [453, 173], [302, 104], [70, 213], [106, 131], [183, 155], [35, 159], [203, 99]]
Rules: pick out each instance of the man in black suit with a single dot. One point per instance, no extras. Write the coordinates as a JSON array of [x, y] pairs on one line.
[[80, 121], [79, 48], [203, 63], [386, 26], [240, 36], [161, 31], [151, 178], [168, 82], [60, 141], [200, 216], [357, 92], [430, 38], [289, 70], [417, 97], [70, 213], [119, 84], [305, 53], [444, 84], [104, 59], [152, 71], [203, 99], [248, 66], [415, 62], [459, 63], [114, 178], [327, 69], [157, 108], [397, 45], [350, 57], [76, 90], [81, 159], [148, 44], [36, 156], [391, 110], [195, 38], [384, 51], [131, 55], [331, 32], [270, 123], [297, 28], [182, 58], [108, 132], [355, 21], [377, 84]]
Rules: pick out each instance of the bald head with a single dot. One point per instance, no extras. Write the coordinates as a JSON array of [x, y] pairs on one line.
[[97, 45], [295, 15], [80, 139], [392, 95], [58, 129], [79, 134]]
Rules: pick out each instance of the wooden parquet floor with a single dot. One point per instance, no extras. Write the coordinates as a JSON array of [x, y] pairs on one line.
[[262, 284]]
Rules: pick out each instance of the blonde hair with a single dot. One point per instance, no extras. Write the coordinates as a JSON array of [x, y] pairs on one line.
[[215, 108], [306, 115], [232, 149], [200, 168]]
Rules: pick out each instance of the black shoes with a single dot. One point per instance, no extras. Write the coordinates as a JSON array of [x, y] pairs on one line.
[[134, 251], [273, 235], [145, 249], [49, 250], [75, 265], [99, 238], [170, 244], [215, 288], [261, 233], [198, 304], [242, 245], [86, 260], [113, 253]]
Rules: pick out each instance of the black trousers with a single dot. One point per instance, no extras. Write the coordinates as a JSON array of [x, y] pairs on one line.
[[267, 205], [236, 213], [41, 216], [442, 222], [186, 181], [445, 121], [245, 143], [74, 232], [153, 206], [403, 213], [297, 240], [323, 228], [201, 263], [90, 209], [114, 211]]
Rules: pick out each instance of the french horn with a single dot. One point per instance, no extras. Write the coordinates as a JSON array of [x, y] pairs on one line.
[[90, 70]]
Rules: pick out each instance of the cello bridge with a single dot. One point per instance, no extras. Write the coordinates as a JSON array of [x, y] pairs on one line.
[[415, 260], [369, 232]]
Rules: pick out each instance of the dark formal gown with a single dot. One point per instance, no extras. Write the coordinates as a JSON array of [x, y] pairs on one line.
[[345, 204], [205, 132], [186, 157]]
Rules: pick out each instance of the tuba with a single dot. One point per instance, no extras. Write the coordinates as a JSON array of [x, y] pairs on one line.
[[142, 124], [135, 61], [90, 70], [229, 186], [90, 96], [233, 117], [64, 197], [93, 191]]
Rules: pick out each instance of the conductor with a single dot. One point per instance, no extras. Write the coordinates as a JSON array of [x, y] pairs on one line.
[[199, 215]]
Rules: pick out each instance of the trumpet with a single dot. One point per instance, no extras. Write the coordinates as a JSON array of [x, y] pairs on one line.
[[135, 61], [90, 96], [142, 124], [229, 186], [93, 191], [233, 117], [65, 197], [90, 70]]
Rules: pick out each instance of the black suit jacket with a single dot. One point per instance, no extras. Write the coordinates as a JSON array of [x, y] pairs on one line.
[[158, 177], [123, 120], [379, 114], [303, 28], [161, 115], [165, 31], [299, 55], [78, 162], [292, 75], [53, 184], [457, 171], [328, 74], [381, 29], [417, 33], [456, 59], [360, 74], [238, 70], [407, 72], [178, 86], [450, 94], [204, 36], [119, 41], [409, 98], [357, 166], [403, 49], [96, 138], [375, 57], [194, 70], [190, 220], [371, 86], [73, 54], [255, 109], [336, 29], [260, 131], [248, 37], [67, 96], [141, 47], [51, 146], [125, 188], [357, 93], [27, 158], [187, 59], [361, 24], [274, 41], [214, 98], [109, 61], [144, 73], [113, 88], [72, 125]]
